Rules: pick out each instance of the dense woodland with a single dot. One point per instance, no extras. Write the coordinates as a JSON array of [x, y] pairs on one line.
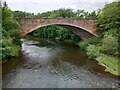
[[104, 48]]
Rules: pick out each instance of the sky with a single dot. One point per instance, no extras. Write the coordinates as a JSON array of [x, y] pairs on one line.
[[40, 6]]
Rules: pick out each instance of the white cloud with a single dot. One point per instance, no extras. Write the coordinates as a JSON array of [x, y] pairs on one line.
[[37, 6]]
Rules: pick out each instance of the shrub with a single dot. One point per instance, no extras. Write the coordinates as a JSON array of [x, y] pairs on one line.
[[93, 40], [110, 45], [93, 51], [83, 44]]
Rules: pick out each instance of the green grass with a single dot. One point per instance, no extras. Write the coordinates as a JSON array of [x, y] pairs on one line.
[[111, 64]]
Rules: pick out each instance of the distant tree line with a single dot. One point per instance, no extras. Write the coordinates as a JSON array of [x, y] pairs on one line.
[[60, 13]]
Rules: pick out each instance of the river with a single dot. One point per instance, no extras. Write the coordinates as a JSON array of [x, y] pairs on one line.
[[44, 63]]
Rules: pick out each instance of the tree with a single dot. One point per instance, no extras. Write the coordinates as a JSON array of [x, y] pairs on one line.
[[108, 24], [21, 14], [93, 14], [109, 17], [10, 34], [5, 5]]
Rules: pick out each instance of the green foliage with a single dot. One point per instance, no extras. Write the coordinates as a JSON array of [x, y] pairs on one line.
[[60, 13], [83, 44], [8, 48], [21, 14], [10, 23], [111, 63], [109, 17], [93, 41], [10, 34], [15, 50], [109, 25], [93, 51], [56, 32], [106, 46], [112, 32], [6, 13], [84, 14], [75, 38], [110, 45]]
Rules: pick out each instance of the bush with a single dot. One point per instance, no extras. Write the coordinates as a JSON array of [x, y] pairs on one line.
[[110, 45], [93, 51], [83, 44]]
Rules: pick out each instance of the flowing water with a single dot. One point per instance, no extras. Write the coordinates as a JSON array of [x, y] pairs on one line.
[[47, 64]]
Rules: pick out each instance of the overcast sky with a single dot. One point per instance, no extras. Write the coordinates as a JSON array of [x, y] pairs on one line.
[[39, 6]]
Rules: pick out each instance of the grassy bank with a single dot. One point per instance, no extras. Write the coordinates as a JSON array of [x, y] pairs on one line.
[[96, 52], [111, 63]]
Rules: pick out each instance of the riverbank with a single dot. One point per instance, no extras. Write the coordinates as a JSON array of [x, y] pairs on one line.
[[105, 51], [110, 63]]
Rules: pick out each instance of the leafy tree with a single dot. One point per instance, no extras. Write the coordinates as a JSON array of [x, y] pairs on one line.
[[80, 13], [10, 41], [21, 14], [108, 25], [109, 17], [93, 14], [67, 13]]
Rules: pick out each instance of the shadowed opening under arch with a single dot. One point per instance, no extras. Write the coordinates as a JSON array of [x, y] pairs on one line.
[[79, 31]]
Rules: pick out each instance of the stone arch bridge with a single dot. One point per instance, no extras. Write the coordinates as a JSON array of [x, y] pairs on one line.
[[84, 28]]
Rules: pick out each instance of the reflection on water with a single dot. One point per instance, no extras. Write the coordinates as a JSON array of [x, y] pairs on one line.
[[46, 64]]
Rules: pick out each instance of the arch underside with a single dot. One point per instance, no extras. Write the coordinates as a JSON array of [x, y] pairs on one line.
[[82, 33]]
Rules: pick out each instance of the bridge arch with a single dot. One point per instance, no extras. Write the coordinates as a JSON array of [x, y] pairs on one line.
[[79, 31], [84, 28]]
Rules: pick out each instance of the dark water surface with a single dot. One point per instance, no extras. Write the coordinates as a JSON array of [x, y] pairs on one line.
[[46, 64]]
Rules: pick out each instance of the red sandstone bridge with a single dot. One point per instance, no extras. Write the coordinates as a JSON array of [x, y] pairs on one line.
[[84, 28]]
